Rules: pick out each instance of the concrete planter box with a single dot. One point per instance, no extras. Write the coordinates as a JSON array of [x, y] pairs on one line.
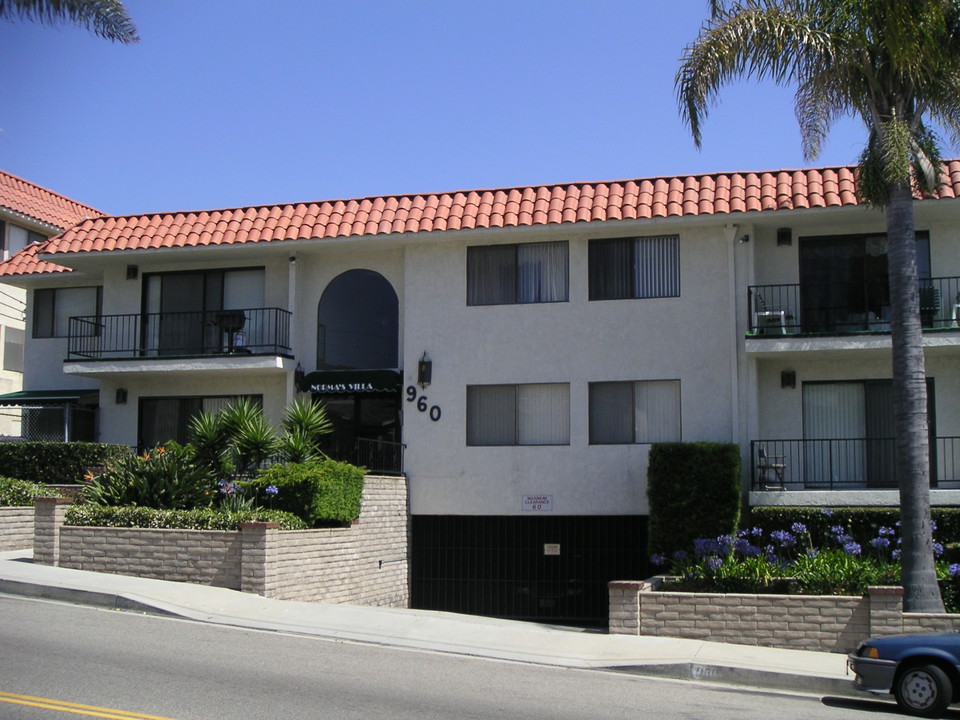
[[366, 563], [16, 528], [830, 623]]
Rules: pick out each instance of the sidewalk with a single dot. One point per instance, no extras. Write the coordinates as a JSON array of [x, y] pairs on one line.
[[799, 670]]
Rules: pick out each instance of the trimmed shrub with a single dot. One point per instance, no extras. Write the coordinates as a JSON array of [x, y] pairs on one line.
[[196, 519], [694, 492], [56, 463], [21, 493], [319, 491]]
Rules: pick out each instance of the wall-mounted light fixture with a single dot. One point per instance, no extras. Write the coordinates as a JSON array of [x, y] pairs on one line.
[[120, 397], [298, 377], [788, 378], [745, 238], [293, 259], [132, 272], [784, 236], [424, 370]]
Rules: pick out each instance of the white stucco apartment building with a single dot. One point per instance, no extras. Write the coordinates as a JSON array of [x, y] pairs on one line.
[[515, 352]]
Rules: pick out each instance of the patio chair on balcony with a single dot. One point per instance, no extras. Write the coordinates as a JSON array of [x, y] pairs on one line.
[[770, 469], [230, 323], [766, 318]]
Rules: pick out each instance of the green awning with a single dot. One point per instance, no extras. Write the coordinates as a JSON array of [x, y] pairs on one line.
[[344, 382], [45, 397]]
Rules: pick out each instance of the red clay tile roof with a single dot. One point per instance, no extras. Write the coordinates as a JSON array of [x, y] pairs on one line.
[[37, 203], [709, 194]]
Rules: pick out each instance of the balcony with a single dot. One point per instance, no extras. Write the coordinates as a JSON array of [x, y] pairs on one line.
[[833, 308], [249, 331], [844, 464]]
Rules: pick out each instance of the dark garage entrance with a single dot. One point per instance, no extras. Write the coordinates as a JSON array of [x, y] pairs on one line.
[[550, 569]]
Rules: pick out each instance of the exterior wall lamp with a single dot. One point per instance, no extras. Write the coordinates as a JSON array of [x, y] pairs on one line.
[[788, 379], [298, 378], [424, 370]]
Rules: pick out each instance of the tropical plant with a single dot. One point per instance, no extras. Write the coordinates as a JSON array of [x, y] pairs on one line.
[[238, 440], [165, 478], [107, 18], [893, 64], [304, 424]]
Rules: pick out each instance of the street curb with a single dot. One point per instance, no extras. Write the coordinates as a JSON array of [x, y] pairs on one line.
[[727, 675], [110, 601]]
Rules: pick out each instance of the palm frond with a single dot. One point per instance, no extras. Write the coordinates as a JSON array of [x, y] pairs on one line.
[[108, 19]]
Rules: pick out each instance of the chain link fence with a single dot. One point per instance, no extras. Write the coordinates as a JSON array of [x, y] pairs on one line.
[[47, 423]]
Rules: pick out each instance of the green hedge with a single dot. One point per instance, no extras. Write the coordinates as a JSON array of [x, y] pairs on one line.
[[198, 519], [319, 491], [20, 493], [694, 492], [55, 463], [861, 523]]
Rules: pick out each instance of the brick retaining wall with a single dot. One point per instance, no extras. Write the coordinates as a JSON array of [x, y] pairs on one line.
[[366, 563], [802, 622], [16, 528]]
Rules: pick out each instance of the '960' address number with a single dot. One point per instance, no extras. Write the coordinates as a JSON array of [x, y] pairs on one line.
[[433, 411]]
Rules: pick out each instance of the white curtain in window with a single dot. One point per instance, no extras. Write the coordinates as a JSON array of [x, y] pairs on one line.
[[243, 290], [834, 427], [543, 414], [657, 411], [657, 267], [542, 272], [491, 415]]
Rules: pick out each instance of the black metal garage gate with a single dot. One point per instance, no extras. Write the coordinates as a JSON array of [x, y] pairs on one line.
[[552, 569]]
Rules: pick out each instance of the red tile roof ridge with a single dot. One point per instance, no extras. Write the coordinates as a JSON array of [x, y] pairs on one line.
[[41, 204], [477, 193]]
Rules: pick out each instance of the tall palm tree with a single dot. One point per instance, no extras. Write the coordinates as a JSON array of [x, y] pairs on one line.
[[892, 63], [107, 18]]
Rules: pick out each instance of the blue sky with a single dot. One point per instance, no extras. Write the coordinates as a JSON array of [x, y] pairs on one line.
[[227, 104]]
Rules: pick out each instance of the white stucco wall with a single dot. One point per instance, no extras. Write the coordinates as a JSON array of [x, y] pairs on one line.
[[689, 338]]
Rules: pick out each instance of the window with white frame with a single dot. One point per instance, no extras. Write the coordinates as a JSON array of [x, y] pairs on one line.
[[633, 268], [513, 274], [534, 414], [53, 308], [645, 411]]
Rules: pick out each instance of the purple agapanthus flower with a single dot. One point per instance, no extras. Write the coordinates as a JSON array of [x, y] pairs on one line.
[[798, 528], [851, 548], [271, 490], [714, 563], [783, 538], [955, 570], [658, 559], [880, 543], [937, 549], [826, 512]]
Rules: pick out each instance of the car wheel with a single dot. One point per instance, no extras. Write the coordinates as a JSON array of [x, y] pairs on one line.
[[923, 690]]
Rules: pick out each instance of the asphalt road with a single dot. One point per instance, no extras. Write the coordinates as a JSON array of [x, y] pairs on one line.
[[58, 661]]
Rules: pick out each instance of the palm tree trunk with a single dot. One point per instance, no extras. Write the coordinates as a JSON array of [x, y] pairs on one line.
[[919, 579]]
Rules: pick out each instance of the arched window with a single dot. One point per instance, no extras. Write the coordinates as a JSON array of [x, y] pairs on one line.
[[358, 323]]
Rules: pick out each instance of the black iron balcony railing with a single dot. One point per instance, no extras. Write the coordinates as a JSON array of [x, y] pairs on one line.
[[834, 308], [249, 331], [844, 464], [380, 457]]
